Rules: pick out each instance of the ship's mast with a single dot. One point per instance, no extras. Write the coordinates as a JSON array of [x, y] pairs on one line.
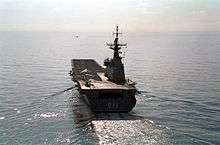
[[114, 67], [116, 46]]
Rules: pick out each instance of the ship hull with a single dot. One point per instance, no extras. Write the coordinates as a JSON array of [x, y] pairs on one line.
[[101, 94], [110, 100]]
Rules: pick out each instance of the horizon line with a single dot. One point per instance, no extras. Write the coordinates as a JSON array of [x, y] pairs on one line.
[[71, 31]]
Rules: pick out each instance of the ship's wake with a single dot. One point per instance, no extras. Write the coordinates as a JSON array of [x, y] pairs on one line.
[[58, 93], [128, 132], [118, 128]]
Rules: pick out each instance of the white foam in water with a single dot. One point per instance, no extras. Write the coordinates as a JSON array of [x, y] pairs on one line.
[[35, 116], [127, 132], [49, 115], [28, 119], [1, 118], [64, 140], [151, 121]]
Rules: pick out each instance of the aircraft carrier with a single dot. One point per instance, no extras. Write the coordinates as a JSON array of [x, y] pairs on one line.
[[105, 89]]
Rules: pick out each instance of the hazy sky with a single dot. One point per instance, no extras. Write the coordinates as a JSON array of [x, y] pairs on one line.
[[103, 15]]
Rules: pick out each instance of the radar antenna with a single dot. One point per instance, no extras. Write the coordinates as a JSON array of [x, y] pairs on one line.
[[116, 46]]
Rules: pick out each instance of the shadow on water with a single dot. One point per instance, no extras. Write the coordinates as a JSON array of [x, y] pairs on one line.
[[114, 128]]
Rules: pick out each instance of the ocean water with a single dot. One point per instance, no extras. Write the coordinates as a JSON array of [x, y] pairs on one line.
[[177, 73]]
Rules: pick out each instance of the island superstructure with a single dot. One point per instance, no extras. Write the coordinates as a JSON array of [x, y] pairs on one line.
[[105, 89]]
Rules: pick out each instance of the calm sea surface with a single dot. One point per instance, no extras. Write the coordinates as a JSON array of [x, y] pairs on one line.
[[178, 74]]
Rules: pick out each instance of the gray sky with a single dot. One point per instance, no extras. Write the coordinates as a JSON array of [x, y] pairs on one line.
[[103, 15]]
